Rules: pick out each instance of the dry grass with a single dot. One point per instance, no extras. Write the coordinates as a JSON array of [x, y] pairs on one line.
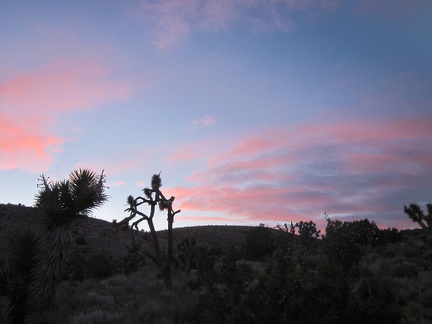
[[137, 298]]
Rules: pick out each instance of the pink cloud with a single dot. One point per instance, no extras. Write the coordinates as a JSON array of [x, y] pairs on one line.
[[357, 169], [117, 184], [57, 88], [188, 152], [24, 150], [33, 101]]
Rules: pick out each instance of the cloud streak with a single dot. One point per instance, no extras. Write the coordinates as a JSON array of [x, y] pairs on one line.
[[352, 169]]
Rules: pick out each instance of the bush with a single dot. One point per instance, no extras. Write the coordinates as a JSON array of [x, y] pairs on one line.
[[390, 235], [258, 243], [96, 317], [405, 269], [99, 267]]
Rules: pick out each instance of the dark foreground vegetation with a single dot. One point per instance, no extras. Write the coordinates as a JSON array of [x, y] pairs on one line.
[[97, 273], [356, 274]]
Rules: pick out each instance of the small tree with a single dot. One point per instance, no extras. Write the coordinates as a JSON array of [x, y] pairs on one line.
[[154, 197], [258, 243], [307, 232]]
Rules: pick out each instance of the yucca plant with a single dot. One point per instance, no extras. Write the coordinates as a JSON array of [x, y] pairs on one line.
[[63, 202]]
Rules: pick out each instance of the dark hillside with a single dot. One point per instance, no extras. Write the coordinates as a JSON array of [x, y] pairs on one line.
[[94, 236]]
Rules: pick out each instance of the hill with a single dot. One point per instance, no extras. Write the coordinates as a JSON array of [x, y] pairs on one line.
[[95, 236]]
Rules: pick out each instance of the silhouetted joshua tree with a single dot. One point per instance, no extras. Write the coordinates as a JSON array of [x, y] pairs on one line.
[[36, 260], [417, 215], [63, 202], [154, 197], [424, 220]]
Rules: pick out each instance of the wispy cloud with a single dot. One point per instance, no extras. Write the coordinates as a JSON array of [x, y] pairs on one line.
[[32, 102], [208, 120], [177, 20], [351, 169], [117, 184]]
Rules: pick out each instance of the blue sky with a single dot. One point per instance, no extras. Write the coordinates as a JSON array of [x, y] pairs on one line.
[[255, 111]]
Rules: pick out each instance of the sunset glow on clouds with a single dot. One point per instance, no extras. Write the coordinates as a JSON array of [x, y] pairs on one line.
[[346, 169], [33, 102], [254, 111]]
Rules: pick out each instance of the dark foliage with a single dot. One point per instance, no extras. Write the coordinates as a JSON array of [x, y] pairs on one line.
[[345, 241], [25, 265], [99, 267], [186, 253], [390, 235], [133, 260], [259, 242], [63, 201]]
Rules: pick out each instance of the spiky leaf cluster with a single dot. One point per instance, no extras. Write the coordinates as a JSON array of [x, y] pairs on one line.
[[163, 204], [130, 199], [156, 182], [76, 196], [147, 192]]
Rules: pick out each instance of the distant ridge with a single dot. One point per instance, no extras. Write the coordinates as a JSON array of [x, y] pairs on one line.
[[102, 237]]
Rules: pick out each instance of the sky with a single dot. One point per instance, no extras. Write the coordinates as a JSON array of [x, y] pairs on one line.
[[255, 111]]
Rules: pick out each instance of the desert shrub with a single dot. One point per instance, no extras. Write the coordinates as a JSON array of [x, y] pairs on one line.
[[76, 267], [99, 267], [4, 272], [405, 269], [133, 260], [95, 299], [186, 253], [308, 233], [345, 241], [373, 300], [258, 243], [413, 312], [342, 252], [96, 316], [205, 259], [390, 235]]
